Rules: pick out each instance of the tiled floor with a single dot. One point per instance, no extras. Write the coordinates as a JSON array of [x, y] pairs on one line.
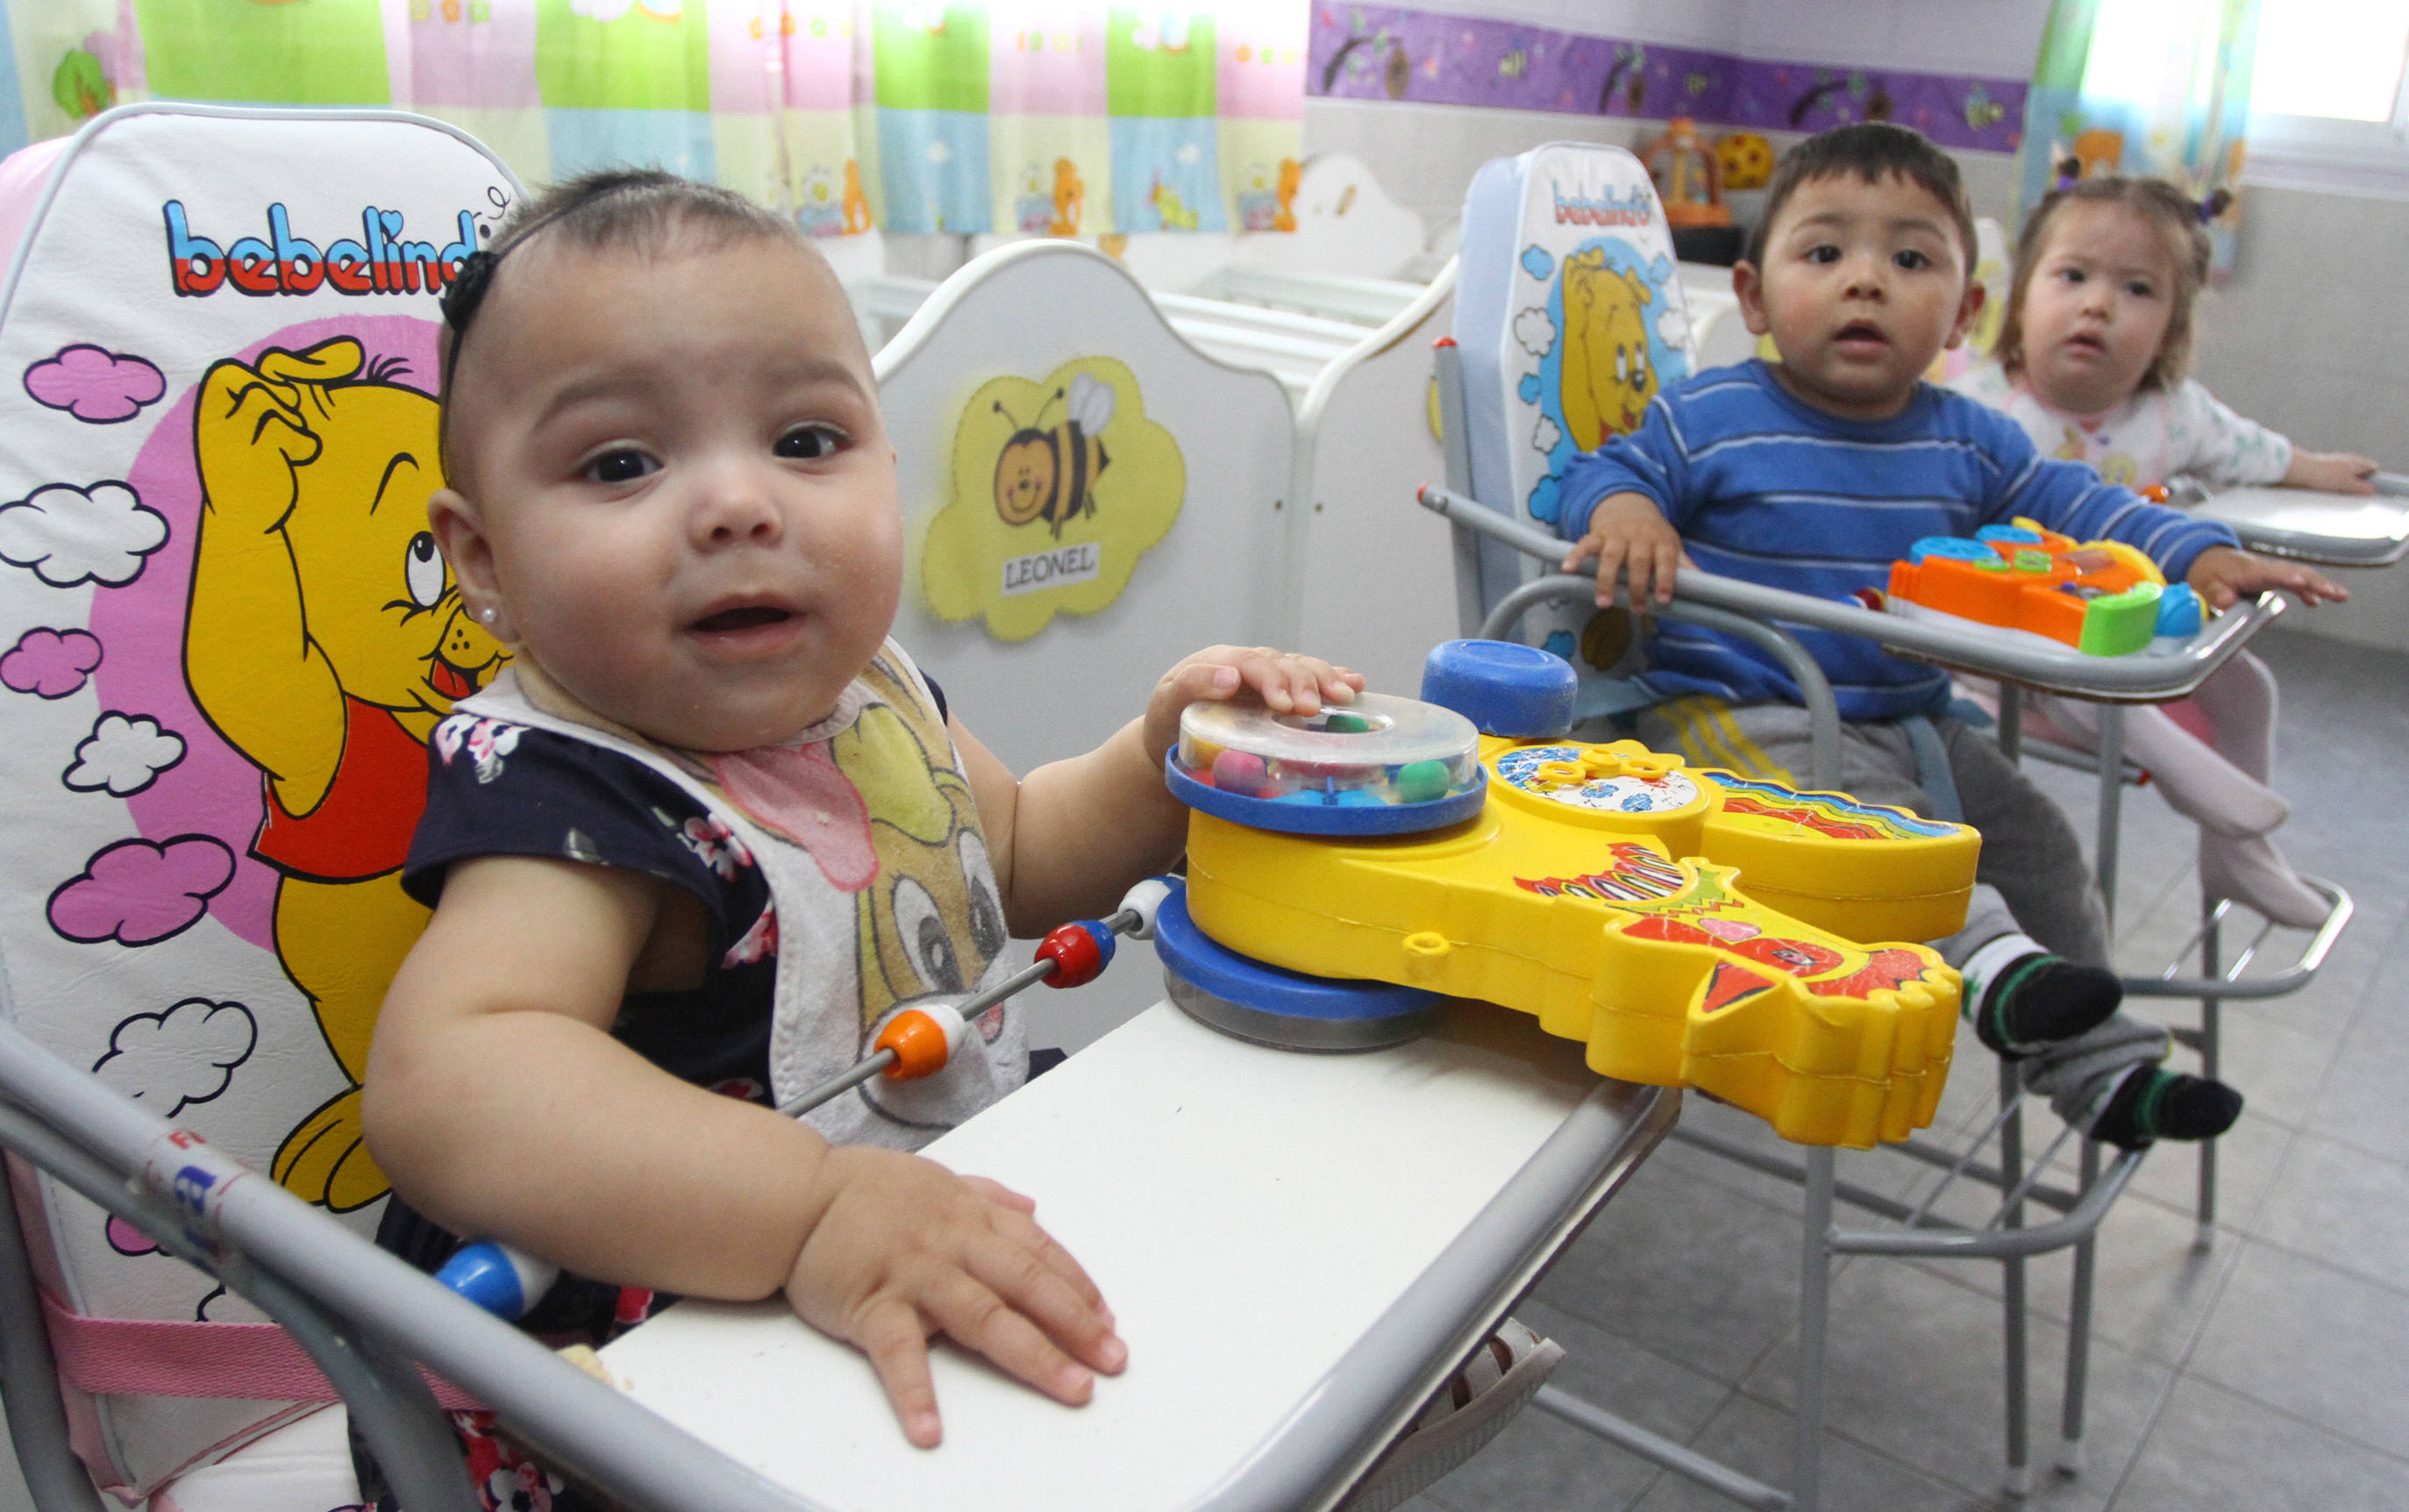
[[2268, 1370]]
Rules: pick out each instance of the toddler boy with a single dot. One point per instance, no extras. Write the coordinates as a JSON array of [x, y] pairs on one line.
[[1814, 475]]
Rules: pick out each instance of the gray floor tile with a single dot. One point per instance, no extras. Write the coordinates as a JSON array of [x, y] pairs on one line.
[[1686, 1270], [2312, 1341], [2343, 1206], [1916, 1372], [1756, 1439], [2361, 1103], [2212, 1451]]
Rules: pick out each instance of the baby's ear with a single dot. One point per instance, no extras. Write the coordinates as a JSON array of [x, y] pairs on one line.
[[1970, 310], [460, 535], [1748, 285]]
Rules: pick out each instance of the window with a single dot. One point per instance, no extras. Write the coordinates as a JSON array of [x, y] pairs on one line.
[[2327, 105]]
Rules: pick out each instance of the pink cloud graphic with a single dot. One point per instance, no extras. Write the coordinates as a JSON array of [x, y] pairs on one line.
[[95, 384], [51, 663], [127, 1239], [138, 893]]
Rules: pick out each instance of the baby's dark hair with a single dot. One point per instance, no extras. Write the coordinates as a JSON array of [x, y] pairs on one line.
[[1873, 150], [2174, 215], [639, 211]]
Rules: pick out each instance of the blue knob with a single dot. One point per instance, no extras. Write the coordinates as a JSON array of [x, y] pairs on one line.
[[1517, 692]]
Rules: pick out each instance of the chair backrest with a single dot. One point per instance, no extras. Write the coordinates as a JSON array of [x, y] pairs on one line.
[[225, 638], [1569, 317], [1087, 498]]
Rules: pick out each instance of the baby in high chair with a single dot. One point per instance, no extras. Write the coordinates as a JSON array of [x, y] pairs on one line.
[[713, 827], [2092, 354]]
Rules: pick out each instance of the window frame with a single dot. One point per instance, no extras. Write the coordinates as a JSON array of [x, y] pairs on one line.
[[2298, 151]]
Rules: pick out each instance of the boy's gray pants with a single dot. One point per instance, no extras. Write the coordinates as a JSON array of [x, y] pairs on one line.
[[2031, 876]]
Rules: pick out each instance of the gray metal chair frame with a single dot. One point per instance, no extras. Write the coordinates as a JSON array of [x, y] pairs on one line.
[[367, 1319]]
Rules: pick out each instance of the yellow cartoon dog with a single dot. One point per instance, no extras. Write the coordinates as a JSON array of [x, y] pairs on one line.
[[325, 641], [1607, 378]]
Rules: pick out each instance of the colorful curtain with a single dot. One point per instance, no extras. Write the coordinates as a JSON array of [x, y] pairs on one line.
[[1062, 116], [2154, 88]]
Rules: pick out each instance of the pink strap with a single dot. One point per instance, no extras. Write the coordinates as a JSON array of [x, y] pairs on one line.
[[252, 1361]]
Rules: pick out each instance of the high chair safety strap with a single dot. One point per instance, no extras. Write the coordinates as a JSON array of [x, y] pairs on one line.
[[246, 1362]]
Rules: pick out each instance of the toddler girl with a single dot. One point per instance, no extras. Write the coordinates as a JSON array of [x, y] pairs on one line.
[[2092, 354], [711, 828]]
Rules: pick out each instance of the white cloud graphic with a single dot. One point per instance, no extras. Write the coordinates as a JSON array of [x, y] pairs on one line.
[[941, 153], [1535, 331], [1190, 153], [187, 1055], [123, 754], [1545, 434], [601, 10], [1673, 326], [68, 535]]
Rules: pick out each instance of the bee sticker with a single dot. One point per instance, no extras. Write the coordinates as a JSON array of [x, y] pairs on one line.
[[1049, 473], [1058, 486]]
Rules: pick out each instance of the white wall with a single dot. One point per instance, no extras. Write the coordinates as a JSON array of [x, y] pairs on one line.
[[2312, 336]]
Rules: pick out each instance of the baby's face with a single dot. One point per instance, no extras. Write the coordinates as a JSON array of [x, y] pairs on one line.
[[675, 488], [1862, 286], [2096, 306]]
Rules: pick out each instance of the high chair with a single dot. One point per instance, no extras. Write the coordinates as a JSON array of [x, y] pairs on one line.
[[222, 325], [1564, 260]]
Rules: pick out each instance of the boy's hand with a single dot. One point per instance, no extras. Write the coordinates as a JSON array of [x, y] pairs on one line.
[[1629, 534], [902, 1249], [2223, 576], [1287, 683], [2334, 472]]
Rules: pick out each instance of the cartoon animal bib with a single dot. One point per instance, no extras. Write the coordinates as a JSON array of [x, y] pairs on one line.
[[883, 898]]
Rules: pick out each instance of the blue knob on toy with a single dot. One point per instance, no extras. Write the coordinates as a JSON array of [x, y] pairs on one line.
[[1516, 692], [1959, 549], [2179, 611], [503, 1281]]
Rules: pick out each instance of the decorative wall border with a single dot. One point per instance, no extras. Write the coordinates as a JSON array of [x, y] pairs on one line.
[[1388, 52]]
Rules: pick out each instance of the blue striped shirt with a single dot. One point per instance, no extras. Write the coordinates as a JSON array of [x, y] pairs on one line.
[[1763, 487]]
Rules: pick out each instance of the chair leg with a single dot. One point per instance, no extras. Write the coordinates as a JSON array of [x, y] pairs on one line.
[[2011, 1289], [1814, 1319], [2078, 1334], [2204, 1211]]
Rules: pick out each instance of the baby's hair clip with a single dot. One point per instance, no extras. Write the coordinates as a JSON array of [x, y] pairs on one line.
[[2069, 172], [2214, 206], [466, 290]]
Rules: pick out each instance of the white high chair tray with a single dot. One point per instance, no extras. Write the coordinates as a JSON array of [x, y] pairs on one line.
[[1298, 1247], [2333, 529]]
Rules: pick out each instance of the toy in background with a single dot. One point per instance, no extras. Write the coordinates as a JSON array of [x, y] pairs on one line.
[[1688, 177], [2103, 599], [1348, 871], [1746, 160]]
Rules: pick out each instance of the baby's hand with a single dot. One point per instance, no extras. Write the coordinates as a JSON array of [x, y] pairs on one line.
[[902, 1249], [2335, 472], [1629, 534], [2224, 576], [1286, 682]]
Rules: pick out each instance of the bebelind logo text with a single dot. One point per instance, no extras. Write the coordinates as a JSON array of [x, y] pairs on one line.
[[380, 260], [1605, 207]]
